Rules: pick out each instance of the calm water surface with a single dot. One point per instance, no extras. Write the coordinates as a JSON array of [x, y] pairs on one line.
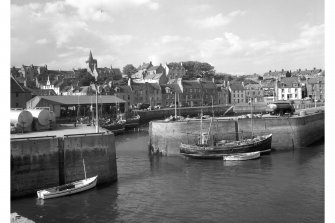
[[280, 187]]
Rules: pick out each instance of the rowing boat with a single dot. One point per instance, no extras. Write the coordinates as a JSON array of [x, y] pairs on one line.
[[68, 189], [242, 156]]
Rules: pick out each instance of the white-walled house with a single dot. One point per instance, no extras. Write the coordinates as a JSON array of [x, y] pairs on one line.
[[289, 88]]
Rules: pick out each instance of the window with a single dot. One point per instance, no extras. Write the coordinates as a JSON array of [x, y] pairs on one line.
[[283, 96], [296, 96], [17, 95], [16, 104]]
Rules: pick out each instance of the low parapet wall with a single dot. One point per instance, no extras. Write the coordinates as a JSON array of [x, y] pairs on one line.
[[218, 110], [288, 132], [40, 163]]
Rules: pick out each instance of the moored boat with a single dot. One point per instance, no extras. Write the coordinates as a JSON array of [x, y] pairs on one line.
[[132, 121], [242, 156], [259, 143], [117, 127], [68, 189]]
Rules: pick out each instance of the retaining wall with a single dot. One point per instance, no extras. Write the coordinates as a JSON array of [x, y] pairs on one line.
[[288, 132], [40, 163]]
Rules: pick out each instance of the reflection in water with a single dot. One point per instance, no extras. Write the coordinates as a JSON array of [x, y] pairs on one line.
[[279, 187]]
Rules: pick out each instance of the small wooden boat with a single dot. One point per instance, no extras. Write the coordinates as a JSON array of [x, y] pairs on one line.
[[203, 155], [68, 189], [242, 156]]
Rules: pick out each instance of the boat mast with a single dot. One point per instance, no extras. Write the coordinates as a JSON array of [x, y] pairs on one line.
[[97, 110], [201, 120], [252, 127], [212, 106], [84, 168], [175, 104]]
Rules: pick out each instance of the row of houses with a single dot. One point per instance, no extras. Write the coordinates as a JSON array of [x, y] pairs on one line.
[[189, 93]]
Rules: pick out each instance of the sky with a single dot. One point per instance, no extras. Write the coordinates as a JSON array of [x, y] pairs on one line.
[[238, 37]]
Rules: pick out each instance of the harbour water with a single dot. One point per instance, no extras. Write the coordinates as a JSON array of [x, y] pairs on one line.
[[286, 186]]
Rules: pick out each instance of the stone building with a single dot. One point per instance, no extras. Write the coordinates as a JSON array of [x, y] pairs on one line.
[[237, 92], [316, 88], [254, 92], [175, 71], [289, 88], [19, 94]]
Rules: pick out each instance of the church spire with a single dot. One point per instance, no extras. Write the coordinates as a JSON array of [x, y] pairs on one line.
[[90, 57], [91, 62]]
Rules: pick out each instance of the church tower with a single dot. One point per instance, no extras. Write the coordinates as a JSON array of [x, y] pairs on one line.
[[91, 62]]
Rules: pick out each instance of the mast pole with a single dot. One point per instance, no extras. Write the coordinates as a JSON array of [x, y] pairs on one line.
[[96, 109], [84, 168], [252, 127], [201, 121], [175, 104]]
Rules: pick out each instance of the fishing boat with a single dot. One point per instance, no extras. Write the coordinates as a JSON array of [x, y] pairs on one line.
[[70, 188], [208, 148], [242, 156], [259, 143], [117, 127], [132, 120]]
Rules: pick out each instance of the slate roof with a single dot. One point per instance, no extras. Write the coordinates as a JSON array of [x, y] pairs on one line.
[[153, 76], [236, 86], [144, 66], [153, 68], [316, 80], [289, 81], [208, 84], [43, 92], [253, 87], [82, 99], [15, 87], [191, 84]]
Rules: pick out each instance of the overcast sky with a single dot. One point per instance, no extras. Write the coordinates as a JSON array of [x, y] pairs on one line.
[[237, 36]]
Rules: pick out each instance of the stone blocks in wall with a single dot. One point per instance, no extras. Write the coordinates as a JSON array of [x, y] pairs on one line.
[[34, 165]]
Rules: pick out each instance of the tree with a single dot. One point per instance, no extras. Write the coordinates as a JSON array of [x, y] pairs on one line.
[[195, 69], [129, 69]]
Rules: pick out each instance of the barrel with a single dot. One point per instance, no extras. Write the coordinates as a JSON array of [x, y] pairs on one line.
[[22, 119], [42, 116]]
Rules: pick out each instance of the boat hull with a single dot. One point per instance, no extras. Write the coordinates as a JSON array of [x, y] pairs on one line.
[[262, 145], [212, 156], [132, 123], [115, 128], [79, 186], [242, 156]]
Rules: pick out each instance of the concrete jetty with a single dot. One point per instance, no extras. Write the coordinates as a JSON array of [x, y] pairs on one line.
[[289, 133], [46, 159]]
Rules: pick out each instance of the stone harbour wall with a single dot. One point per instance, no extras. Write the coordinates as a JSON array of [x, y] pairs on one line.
[[40, 163], [288, 132]]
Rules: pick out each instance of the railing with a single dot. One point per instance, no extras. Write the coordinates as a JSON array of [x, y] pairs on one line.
[[309, 105]]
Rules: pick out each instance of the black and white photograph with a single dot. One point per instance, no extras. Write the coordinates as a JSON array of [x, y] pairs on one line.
[[166, 111]]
